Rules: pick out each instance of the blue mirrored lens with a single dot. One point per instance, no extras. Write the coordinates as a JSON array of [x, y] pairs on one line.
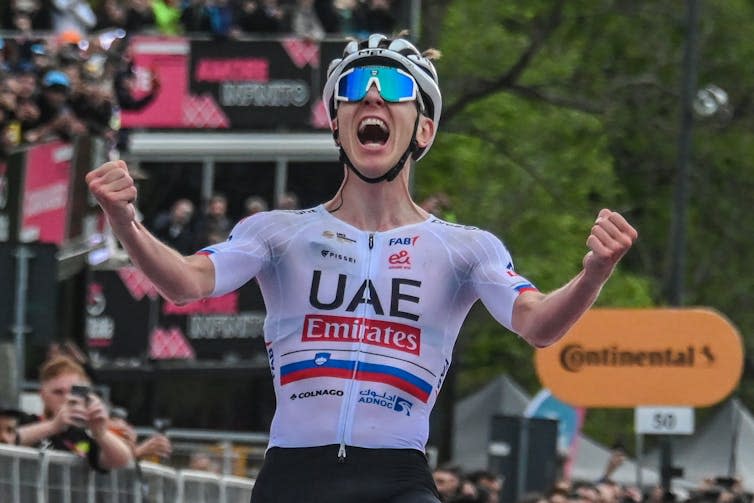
[[393, 84]]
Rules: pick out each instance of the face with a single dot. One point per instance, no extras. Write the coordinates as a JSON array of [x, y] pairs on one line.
[[218, 206], [447, 482], [375, 133], [54, 392], [8, 427]]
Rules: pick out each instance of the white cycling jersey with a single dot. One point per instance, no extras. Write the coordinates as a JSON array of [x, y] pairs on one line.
[[361, 325]]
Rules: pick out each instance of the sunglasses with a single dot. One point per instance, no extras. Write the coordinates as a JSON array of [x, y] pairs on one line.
[[393, 84]]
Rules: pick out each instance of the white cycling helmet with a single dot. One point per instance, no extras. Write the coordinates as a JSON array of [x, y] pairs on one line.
[[380, 50]]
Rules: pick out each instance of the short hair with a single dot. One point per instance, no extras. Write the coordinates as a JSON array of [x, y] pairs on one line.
[[58, 366]]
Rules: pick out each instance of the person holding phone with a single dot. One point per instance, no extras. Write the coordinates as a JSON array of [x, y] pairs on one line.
[[74, 418]]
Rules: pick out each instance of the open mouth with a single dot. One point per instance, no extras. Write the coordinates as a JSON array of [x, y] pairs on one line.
[[373, 131]]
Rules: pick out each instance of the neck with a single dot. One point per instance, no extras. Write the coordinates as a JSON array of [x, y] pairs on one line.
[[375, 207]]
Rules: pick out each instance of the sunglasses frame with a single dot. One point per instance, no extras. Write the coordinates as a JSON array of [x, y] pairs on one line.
[[416, 95]]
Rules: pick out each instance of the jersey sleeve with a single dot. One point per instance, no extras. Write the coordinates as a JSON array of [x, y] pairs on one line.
[[242, 256], [495, 281]]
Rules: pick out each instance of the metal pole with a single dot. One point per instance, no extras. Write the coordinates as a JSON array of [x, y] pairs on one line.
[[23, 254], [281, 178], [523, 458], [208, 180], [733, 459], [685, 140], [639, 459], [416, 8], [680, 200]]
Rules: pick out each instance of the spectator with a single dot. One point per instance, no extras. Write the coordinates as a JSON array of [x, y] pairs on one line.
[[288, 201], [25, 13], [264, 16], [214, 226], [305, 23], [75, 15], [175, 229], [220, 14], [194, 15], [124, 87], [112, 14], [140, 16], [375, 16], [154, 446], [167, 16], [56, 117], [448, 482], [254, 204], [327, 15], [9, 417], [492, 484], [77, 424], [345, 10], [203, 462], [92, 103]]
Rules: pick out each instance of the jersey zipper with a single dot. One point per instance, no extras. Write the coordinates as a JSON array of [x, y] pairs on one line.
[[352, 384]]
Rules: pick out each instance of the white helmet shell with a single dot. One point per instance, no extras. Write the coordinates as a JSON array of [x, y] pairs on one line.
[[399, 52]]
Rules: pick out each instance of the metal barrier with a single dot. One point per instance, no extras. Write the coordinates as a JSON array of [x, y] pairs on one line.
[[47, 476]]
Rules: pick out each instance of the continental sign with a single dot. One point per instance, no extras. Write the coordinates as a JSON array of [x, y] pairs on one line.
[[637, 357]]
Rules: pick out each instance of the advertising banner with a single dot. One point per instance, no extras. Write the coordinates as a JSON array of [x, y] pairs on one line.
[[642, 357], [45, 193], [258, 85], [165, 59], [263, 85], [127, 318]]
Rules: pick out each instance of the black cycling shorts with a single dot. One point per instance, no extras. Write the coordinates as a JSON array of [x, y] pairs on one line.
[[314, 475]]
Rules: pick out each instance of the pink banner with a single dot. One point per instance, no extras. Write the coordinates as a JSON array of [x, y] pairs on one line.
[[45, 191], [167, 60]]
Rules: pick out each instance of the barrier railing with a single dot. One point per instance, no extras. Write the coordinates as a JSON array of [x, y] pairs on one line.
[[47, 476]]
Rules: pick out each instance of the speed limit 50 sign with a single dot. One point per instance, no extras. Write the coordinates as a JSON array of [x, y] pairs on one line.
[[664, 420]]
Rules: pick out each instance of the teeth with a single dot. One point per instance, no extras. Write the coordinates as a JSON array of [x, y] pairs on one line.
[[372, 121]]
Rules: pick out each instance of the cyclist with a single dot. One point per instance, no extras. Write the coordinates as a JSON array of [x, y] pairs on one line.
[[365, 294]]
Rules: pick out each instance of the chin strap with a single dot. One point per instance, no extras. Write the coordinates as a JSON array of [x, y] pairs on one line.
[[390, 174]]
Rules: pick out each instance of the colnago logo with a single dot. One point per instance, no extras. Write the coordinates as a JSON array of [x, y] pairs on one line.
[[386, 334], [386, 400], [405, 241], [317, 393]]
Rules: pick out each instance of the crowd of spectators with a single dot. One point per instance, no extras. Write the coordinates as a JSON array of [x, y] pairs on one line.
[[76, 419], [186, 230], [455, 486], [222, 18], [65, 68], [64, 85]]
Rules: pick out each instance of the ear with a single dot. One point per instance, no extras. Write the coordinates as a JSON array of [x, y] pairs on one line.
[[334, 127], [425, 131]]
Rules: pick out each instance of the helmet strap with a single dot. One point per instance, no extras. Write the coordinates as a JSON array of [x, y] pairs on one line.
[[390, 174]]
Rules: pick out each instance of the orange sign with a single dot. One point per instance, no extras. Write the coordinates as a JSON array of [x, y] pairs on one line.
[[640, 357]]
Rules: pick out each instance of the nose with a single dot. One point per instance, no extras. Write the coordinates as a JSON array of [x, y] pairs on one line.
[[373, 96]]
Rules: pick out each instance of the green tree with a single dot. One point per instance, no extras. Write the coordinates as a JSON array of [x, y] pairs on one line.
[[554, 109]]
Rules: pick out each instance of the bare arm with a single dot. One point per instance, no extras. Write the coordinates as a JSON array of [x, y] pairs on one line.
[[32, 434], [68, 415], [180, 279], [542, 319], [114, 452]]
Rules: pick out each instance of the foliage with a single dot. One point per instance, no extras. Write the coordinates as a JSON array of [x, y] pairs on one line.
[[555, 109]]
